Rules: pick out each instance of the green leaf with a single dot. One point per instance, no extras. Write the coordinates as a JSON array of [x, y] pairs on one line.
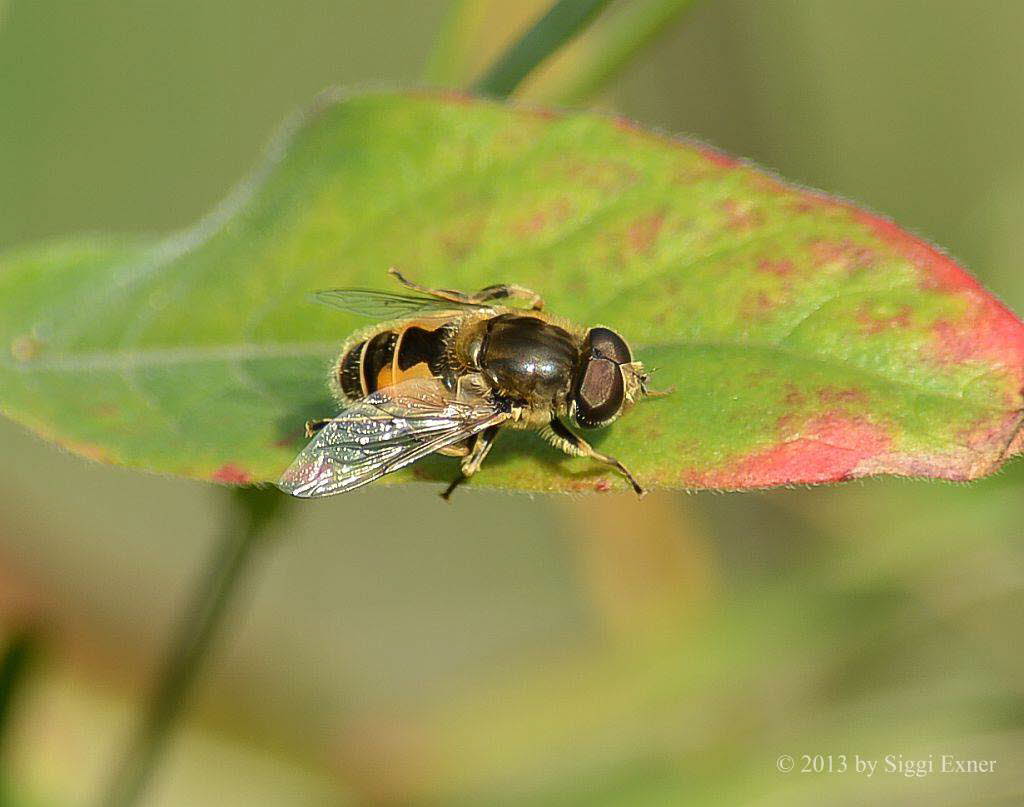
[[808, 341]]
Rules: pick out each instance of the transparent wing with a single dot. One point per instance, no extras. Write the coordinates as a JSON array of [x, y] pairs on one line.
[[385, 431], [385, 305]]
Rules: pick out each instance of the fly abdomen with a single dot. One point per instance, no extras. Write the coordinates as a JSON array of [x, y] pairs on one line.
[[392, 356], [366, 366]]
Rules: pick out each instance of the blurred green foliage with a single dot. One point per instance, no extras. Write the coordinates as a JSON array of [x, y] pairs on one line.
[[507, 648]]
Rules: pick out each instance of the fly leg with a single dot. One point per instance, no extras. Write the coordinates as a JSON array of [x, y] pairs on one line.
[[510, 291], [561, 437], [313, 426], [499, 291], [471, 463]]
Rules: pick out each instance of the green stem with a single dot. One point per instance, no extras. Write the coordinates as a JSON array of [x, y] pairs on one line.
[[17, 658], [564, 20], [612, 46], [251, 512]]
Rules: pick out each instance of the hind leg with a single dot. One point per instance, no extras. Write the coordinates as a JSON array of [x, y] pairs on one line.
[[313, 426], [472, 462], [499, 291]]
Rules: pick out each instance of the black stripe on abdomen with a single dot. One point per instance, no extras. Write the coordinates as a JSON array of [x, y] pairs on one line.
[[379, 352], [420, 346], [348, 373]]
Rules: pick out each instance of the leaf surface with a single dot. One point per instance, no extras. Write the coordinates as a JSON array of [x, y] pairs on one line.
[[807, 340]]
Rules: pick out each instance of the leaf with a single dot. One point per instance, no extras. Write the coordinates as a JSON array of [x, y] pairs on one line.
[[808, 341]]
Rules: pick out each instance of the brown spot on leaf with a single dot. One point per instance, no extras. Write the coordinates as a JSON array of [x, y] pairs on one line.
[[873, 321], [459, 240], [550, 214], [26, 348], [841, 395], [231, 474], [804, 205], [952, 342], [793, 396], [605, 175], [756, 304], [643, 232], [690, 173], [533, 224], [778, 267], [542, 112], [741, 215], [845, 254]]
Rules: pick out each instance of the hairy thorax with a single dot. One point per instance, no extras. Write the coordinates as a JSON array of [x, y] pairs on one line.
[[524, 358]]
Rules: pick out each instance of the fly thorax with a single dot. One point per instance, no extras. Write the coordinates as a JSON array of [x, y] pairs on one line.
[[528, 358]]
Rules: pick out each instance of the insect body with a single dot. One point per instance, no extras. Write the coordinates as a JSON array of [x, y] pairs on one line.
[[447, 372]]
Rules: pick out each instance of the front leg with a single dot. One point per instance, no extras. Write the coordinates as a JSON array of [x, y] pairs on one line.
[[561, 437]]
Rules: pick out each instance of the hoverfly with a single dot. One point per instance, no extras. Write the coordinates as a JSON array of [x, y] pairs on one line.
[[447, 372]]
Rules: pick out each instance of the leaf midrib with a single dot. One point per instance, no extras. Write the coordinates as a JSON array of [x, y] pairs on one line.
[[119, 361]]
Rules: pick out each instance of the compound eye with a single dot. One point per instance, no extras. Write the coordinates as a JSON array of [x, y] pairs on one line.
[[608, 344], [600, 394]]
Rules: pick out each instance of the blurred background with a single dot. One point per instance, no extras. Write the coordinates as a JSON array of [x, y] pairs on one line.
[[511, 649]]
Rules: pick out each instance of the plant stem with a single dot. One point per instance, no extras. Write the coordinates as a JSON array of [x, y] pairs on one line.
[[611, 46], [564, 20], [17, 658], [250, 513]]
